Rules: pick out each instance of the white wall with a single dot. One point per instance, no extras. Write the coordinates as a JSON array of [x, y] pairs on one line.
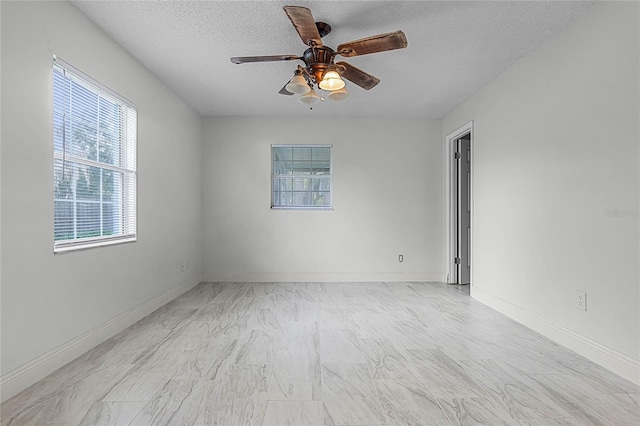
[[387, 201], [50, 300], [556, 145]]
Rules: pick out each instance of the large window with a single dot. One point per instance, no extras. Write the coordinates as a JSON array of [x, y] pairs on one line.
[[301, 176], [94, 162]]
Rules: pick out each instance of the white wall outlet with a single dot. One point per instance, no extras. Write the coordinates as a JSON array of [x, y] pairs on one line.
[[581, 300], [400, 258]]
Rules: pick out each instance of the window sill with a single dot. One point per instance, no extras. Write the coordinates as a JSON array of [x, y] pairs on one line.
[[302, 208], [92, 244]]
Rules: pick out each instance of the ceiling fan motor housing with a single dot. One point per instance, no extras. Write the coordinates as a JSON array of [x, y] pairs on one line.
[[318, 61]]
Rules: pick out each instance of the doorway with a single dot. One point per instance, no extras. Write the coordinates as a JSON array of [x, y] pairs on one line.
[[459, 178]]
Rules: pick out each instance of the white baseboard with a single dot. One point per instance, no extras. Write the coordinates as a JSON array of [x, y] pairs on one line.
[[301, 277], [614, 361], [18, 379]]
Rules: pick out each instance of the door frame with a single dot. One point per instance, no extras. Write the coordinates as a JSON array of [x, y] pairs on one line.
[[450, 198]]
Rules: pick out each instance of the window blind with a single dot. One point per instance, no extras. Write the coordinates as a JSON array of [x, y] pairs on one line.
[[94, 164]]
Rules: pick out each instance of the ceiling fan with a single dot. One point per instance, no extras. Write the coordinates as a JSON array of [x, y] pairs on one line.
[[320, 68]]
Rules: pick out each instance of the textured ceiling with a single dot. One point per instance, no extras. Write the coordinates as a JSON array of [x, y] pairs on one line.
[[455, 48]]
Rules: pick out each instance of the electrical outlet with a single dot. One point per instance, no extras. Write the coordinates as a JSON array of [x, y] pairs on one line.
[[581, 301], [400, 258]]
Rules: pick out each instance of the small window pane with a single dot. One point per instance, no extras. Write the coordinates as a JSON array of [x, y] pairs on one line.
[[64, 220], [286, 184], [58, 131], [284, 199], [282, 154], [111, 219], [300, 184], [109, 132], [301, 153], [321, 198], [62, 181], [321, 167], [88, 220], [83, 138], [322, 154], [60, 91], [87, 183], [281, 167], [302, 167], [112, 182], [84, 104]]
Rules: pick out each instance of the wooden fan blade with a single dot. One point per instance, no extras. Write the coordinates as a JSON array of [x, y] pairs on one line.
[[284, 91], [357, 76], [373, 44], [247, 59], [305, 25]]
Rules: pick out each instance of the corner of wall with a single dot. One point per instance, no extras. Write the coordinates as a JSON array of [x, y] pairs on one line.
[[19, 379], [617, 362]]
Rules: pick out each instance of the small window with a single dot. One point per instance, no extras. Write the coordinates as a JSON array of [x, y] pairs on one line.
[[301, 176], [94, 162]]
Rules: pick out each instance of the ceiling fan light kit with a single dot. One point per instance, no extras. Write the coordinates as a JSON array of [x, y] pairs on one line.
[[339, 95], [298, 84], [331, 81], [310, 98], [320, 69]]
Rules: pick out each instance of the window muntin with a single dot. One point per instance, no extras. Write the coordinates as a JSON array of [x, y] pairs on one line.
[[301, 176], [94, 141]]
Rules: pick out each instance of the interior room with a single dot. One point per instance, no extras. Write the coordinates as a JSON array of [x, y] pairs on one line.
[[216, 291]]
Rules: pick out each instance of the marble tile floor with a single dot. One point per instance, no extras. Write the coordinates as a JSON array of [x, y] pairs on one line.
[[327, 354]]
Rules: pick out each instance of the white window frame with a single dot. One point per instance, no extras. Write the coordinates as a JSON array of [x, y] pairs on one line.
[[127, 167], [275, 176]]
